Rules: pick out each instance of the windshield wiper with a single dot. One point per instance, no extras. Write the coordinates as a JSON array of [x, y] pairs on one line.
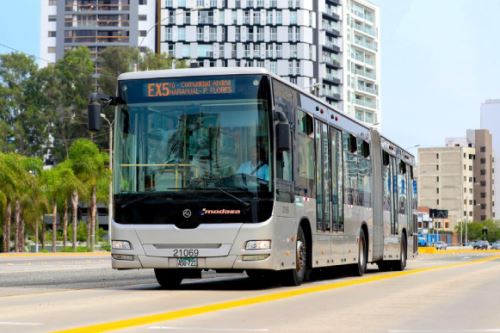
[[244, 203], [141, 197]]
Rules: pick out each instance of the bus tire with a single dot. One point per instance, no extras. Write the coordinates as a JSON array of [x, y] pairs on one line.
[[400, 265], [295, 277], [360, 268], [168, 278]]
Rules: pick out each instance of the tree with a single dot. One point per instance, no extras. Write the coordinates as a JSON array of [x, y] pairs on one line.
[[21, 123], [115, 60], [89, 165], [475, 230], [71, 189], [7, 186], [153, 61], [69, 88]]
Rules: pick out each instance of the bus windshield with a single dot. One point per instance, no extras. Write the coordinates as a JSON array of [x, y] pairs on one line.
[[193, 134]]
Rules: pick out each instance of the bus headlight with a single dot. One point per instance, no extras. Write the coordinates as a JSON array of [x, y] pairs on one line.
[[258, 245], [121, 245]]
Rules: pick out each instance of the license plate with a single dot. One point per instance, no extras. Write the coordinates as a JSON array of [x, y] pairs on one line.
[[187, 262]]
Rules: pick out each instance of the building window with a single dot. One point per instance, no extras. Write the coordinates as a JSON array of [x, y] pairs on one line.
[[143, 33], [437, 167], [437, 202], [483, 149], [143, 17], [437, 178], [52, 18], [483, 161], [52, 33], [52, 2], [483, 172], [51, 49], [437, 190], [143, 2]]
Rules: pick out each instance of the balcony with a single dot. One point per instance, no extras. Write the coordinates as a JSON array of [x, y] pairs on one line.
[[367, 74], [371, 90], [365, 29], [368, 45], [366, 103], [97, 7]]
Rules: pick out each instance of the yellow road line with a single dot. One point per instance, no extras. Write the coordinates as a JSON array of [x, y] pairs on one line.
[[433, 250], [194, 311]]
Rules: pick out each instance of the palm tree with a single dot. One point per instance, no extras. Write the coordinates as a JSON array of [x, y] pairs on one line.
[[71, 189], [89, 166], [7, 187], [29, 169], [53, 184]]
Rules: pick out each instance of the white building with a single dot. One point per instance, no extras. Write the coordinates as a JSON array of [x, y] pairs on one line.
[[66, 24], [362, 61], [287, 37], [490, 119]]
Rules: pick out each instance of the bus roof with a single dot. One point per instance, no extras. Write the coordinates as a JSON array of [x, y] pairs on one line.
[[165, 73], [209, 71]]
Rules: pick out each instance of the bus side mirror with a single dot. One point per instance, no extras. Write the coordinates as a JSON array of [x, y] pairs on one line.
[[94, 115], [97, 102], [283, 138], [283, 141]]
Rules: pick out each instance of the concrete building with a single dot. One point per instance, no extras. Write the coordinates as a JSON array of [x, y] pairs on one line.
[[66, 24], [296, 39], [490, 120], [446, 181], [361, 61], [483, 174]]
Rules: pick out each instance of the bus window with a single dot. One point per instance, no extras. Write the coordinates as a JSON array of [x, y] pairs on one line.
[[350, 170], [364, 174], [402, 188], [387, 182], [305, 155], [337, 177]]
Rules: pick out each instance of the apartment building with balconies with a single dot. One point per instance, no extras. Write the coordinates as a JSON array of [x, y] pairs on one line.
[[296, 39], [361, 61], [96, 24]]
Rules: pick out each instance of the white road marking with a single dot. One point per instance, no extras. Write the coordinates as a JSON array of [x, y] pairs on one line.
[[204, 329], [487, 330], [19, 323]]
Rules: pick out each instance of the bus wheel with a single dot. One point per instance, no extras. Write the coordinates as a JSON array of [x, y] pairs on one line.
[[400, 264], [296, 276], [360, 268], [168, 278]]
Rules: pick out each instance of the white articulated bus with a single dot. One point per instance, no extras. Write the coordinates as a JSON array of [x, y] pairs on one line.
[[236, 169]]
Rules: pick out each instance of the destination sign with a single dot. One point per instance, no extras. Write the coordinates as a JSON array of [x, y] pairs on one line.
[[188, 88]]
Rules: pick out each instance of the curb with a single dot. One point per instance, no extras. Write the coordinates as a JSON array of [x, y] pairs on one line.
[[57, 254]]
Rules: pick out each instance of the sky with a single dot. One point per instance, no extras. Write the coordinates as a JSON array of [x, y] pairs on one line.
[[440, 59]]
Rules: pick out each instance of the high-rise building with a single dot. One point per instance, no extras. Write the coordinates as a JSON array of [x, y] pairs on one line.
[[446, 181], [490, 120], [66, 24], [361, 61], [483, 174], [296, 39]]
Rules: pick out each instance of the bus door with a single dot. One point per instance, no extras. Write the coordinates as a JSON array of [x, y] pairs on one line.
[[412, 217], [323, 178], [394, 195]]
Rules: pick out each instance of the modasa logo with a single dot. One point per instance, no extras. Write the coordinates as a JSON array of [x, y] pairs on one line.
[[205, 211]]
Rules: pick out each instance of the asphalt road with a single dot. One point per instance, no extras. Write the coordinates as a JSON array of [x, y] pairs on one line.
[[437, 293]]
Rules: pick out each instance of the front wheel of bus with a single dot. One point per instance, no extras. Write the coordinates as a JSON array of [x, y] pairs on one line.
[[168, 278], [298, 275]]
